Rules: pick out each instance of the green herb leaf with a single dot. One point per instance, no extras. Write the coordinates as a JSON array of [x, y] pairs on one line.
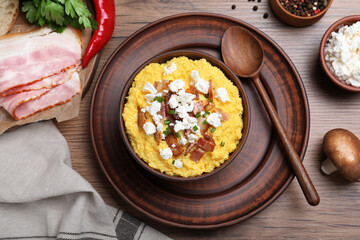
[[171, 112], [198, 115], [195, 128], [167, 122], [207, 112], [177, 135], [222, 144], [204, 122], [160, 99], [30, 9], [213, 130]]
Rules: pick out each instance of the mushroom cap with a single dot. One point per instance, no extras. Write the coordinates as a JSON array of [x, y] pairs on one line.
[[342, 147]]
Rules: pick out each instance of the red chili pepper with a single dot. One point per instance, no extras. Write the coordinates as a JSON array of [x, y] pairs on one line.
[[105, 16]]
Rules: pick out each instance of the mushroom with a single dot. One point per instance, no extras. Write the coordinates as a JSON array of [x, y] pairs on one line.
[[342, 148]]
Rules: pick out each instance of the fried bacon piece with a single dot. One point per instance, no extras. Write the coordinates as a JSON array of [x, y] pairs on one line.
[[162, 85], [224, 115], [189, 147], [173, 144], [141, 118], [200, 105], [162, 111], [203, 127], [211, 89], [192, 89], [207, 145], [197, 154], [157, 137]]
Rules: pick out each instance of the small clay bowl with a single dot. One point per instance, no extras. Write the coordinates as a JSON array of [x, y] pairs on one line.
[[334, 28], [191, 55], [294, 20]]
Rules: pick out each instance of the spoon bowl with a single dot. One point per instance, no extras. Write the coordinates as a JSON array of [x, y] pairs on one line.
[[246, 59], [243, 53]]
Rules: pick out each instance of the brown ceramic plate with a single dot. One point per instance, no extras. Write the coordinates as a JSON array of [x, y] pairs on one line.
[[194, 55], [259, 173]]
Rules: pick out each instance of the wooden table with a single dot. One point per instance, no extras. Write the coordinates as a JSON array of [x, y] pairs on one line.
[[337, 215]]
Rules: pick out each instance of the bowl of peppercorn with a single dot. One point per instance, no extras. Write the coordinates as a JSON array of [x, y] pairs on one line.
[[300, 13]]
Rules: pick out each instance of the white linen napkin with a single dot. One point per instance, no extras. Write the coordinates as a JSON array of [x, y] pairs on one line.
[[42, 197]]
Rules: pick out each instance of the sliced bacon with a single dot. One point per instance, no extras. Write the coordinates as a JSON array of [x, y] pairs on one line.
[[205, 144], [197, 154], [200, 105], [171, 140], [162, 85], [211, 89], [203, 127], [56, 96], [141, 118], [224, 115], [162, 111], [30, 57], [189, 147], [49, 82], [192, 89], [157, 137]]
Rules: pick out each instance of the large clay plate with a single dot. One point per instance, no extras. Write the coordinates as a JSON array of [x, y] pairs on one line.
[[260, 172]]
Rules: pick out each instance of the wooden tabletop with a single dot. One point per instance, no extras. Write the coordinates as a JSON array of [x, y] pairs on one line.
[[290, 216]]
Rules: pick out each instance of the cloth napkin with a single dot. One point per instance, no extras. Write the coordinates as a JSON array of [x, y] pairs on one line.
[[42, 197]]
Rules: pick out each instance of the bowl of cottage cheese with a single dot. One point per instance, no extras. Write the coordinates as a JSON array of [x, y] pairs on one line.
[[183, 115], [340, 53]]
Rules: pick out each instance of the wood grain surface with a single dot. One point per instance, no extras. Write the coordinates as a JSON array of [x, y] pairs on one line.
[[336, 217]]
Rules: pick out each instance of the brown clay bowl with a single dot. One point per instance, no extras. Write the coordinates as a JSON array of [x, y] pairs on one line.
[[292, 19], [191, 55], [334, 28]]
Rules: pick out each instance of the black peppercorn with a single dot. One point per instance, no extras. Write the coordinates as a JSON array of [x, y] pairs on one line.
[[233, 6], [255, 8]]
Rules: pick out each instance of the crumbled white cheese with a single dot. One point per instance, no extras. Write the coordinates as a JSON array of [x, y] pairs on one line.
[[171, 124], [186, 123], [170, 69], [178, 163], [148, 87], [150, 97], [149, 128], [214, 119], [163, 136], [200, 84], [194, 74], [176, 85], [342, 54], [166, 153], [192, 137], [173, 103], [173, 145], [222, 94], [154, 108], [183, 141], [143, 110]]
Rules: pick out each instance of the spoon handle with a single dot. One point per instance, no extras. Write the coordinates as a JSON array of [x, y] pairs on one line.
[[303, 178]]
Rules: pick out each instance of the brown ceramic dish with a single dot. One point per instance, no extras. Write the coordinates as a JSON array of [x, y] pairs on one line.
[[333, 28], [162, 58], [292, 19]]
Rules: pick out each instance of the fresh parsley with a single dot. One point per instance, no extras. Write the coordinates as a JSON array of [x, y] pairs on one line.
[[58, 14]]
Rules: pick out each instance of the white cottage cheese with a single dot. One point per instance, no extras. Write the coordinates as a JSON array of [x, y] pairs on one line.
[[342, 54]]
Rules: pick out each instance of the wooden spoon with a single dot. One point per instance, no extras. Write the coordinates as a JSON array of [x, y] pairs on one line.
[[243, 53]]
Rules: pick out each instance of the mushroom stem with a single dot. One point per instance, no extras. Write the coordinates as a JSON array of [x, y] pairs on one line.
[[328, 167]]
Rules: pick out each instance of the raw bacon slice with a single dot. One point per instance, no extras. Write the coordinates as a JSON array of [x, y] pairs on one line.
[[29, 57], [56, 96], [49, 82]]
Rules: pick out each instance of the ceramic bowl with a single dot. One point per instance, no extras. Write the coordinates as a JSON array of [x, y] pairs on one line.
[[191, 55], [333, 28], [294, 20]]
